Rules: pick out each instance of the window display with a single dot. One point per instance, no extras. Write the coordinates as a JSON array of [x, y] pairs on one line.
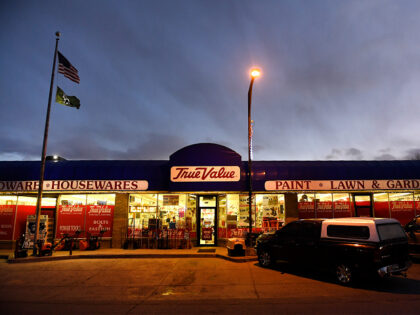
[[89, 214], [342, 205], [100, 214], [267, 214], [142, 210], [270, 212], [402, 206], [71, 214], [172, 209], [190, 217], [324, 206], [8, 206], [381, 205], [26, 205], [306, 206], [222, 216]]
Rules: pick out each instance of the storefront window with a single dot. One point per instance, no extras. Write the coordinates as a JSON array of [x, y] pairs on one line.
[[26, 206], [8, 200], [73, 200], [71, 214], [232, 215], [381, 205], [270, 211], [306, 206], [417, 202], [342, 205], [243, 216], [142, 213], [324, 206], [100, 214], [172, 210], [101, 199], [222, 231], [190, 217], [402, 206], [7, 216]]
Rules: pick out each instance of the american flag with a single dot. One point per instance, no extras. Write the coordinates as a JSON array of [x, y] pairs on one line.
[[66, 68]]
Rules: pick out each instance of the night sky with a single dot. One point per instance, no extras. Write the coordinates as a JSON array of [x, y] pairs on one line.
[[341, 79]]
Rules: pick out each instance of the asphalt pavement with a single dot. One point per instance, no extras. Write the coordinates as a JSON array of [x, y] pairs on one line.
[[193, 285]]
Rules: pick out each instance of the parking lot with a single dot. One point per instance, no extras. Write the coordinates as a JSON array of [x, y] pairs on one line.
[[194, 285]]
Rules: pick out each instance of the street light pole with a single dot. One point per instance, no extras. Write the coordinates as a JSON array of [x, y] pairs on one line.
[[254, 73]]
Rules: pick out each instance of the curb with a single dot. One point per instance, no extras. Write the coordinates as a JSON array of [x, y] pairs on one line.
[[124, 256]]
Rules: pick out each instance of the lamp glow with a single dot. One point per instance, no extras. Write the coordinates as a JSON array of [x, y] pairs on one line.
[[255, 73]]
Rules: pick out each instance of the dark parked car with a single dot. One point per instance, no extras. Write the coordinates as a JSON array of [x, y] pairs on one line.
[[412, 229], [346, 246]]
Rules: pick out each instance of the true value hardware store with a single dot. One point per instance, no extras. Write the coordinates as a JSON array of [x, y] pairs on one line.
[[200, 194]]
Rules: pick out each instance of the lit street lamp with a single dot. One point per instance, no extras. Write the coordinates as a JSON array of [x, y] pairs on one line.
[[254, 74]]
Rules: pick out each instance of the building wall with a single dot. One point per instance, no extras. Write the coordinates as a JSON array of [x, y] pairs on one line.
[[119, 229], [291, 205]]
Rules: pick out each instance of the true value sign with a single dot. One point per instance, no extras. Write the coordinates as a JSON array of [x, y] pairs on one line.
[[205, 173]]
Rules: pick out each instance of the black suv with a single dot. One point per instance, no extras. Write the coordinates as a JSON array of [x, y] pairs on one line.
[[346, 246], [413, 231]]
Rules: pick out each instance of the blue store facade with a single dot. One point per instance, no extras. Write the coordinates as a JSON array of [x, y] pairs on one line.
[[199, 196]]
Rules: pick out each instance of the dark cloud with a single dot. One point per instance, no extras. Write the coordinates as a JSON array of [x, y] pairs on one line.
[[345, 154], [155, 147], [339, 77], [19, 148], [384, 157], [413, 154]]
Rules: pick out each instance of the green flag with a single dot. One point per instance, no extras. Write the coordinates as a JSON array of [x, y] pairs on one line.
[[64, 99]]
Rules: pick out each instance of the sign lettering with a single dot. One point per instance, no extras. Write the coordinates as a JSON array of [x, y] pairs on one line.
[[205, 174], [75, 185]]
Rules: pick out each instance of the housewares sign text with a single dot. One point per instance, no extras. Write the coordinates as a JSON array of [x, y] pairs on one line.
[[78, 185]]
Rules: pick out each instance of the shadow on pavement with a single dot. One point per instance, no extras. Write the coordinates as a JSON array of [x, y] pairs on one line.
[[394, 284]]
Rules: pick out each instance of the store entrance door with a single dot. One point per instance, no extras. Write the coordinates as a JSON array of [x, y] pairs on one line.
[[362, 205], [207, 221]]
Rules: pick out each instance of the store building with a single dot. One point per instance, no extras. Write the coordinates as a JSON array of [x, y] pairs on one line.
[[200, 195]]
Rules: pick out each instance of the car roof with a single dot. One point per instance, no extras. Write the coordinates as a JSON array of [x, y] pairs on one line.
[[361, 220]]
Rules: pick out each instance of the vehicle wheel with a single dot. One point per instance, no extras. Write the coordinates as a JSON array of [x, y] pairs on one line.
[[344, 274], [265, 259]]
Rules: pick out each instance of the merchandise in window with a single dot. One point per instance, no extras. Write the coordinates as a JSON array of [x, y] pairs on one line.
[[306, 206], [270, 211], [342, 205], [402, 206], [324, 206], [142, 211], [172, 210]]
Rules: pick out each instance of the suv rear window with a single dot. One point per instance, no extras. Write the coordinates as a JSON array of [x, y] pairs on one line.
[[348, 231], [390, 231]]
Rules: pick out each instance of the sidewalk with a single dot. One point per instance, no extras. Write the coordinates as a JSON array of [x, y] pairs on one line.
[[195, 252]]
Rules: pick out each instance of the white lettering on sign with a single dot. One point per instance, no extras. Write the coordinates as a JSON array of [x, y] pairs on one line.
[[79, 185], [298, 185], [205, 173]]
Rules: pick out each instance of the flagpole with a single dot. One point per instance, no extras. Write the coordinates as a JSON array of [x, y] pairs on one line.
[[44, 149]]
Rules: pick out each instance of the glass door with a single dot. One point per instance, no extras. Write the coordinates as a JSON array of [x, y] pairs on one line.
[[207, 218], [362, 205]]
